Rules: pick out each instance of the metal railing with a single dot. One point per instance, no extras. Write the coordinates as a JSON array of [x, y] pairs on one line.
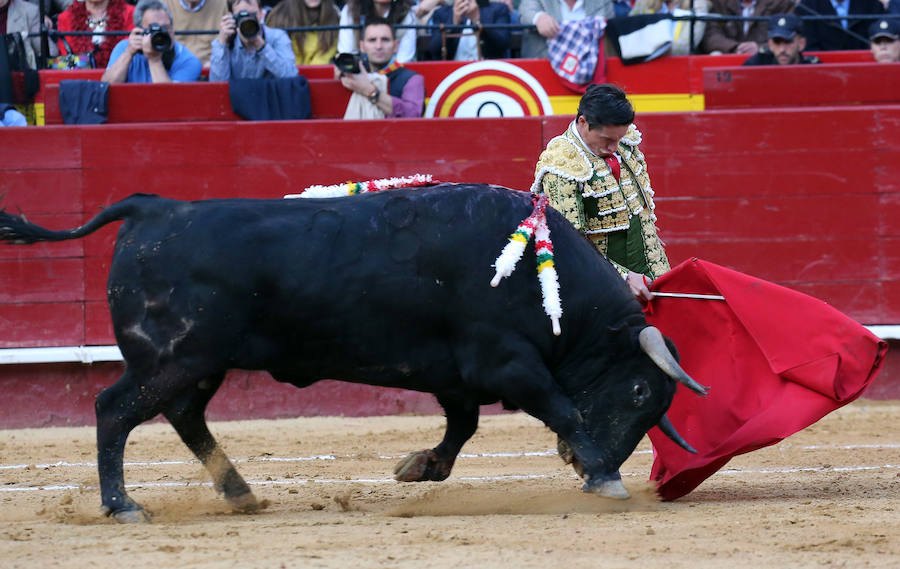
[[693, 19]]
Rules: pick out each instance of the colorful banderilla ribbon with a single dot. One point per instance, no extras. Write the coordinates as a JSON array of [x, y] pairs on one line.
[[535, 224]]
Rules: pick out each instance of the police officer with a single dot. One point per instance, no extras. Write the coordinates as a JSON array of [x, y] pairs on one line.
[[786, 43]]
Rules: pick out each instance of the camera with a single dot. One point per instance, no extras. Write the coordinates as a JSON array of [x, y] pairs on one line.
[[350, 63], [159, 38], [247, 24]]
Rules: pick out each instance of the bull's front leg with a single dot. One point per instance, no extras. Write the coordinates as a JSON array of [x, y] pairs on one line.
[[540, 397], [436, 464]]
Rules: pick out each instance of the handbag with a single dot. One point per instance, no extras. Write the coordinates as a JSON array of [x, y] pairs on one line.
[[72, 60]]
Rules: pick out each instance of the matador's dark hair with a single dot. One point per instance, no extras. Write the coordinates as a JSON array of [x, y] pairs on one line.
[[605, 105]]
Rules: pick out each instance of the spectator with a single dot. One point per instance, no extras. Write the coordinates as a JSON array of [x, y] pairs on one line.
[[743, 37], [17, 16], [135, 60], [622, 8], [310, 48], [681, 29], [424, 9], [396, 12], [828, 35], [95, 16], [488, 44], [547, 16], [885, 38], [9, 116], [267, 53], [406, 89], [786, 43], [188, 15]]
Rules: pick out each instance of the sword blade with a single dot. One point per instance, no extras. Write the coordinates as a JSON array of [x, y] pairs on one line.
[[690, 295]]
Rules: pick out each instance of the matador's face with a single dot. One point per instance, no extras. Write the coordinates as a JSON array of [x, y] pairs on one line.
[[603, 140]]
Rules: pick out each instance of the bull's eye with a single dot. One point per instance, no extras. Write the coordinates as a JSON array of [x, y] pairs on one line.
[[639, 393]]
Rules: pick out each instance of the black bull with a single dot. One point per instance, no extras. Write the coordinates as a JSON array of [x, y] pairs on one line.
[[391, 289]]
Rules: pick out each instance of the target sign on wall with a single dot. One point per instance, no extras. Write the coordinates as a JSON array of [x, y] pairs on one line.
[[489, 89]]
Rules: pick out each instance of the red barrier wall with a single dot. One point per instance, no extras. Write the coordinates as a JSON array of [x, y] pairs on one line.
[[803, 197]]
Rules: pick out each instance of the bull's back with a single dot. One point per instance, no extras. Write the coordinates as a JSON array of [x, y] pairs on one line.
[[395, 279]]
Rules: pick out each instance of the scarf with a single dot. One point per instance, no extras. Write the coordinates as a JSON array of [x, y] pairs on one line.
[[115, 21], [391, 66]]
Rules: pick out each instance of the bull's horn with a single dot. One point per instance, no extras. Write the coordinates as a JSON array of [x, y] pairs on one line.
[[651, 340], [668, 429]]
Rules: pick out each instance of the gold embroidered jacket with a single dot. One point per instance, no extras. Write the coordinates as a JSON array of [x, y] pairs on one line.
[[617, 216]]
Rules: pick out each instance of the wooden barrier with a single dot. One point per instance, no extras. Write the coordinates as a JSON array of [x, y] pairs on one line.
[[191, 102], [804, 197], [801, 85]]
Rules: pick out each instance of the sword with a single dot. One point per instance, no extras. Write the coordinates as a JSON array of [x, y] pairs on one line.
[[690, 295]]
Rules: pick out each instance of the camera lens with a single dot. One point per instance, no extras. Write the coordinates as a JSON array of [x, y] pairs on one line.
[[247, 24], [160, 39]]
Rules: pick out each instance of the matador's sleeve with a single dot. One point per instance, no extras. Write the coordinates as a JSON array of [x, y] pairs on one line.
[[563, 195], [558, 174]]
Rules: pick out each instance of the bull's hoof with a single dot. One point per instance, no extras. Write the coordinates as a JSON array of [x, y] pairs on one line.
[[608, 489], [421, 466], [246, 503], [568, 456], [138, 516]]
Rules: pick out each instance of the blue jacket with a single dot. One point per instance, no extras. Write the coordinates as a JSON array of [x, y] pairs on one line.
[[494, 42]]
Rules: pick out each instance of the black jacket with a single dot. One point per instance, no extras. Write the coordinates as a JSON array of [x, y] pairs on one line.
[[827, 35], [766, 58]]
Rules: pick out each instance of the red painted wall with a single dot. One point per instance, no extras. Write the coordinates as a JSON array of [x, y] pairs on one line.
[[803, 197]]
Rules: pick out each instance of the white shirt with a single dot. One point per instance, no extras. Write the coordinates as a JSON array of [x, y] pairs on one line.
[[747, 11], [467, 50]]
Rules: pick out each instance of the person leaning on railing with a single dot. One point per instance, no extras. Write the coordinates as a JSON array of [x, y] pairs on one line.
[[310, 48], [248, 49], [547, 15], [734, 35], [95, 16]]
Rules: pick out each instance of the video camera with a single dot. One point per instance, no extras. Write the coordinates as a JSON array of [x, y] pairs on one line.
[[160, 39], [247, 24]]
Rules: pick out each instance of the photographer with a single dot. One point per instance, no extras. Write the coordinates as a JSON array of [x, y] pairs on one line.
[[405, 92], [246, 49], [151, 54]]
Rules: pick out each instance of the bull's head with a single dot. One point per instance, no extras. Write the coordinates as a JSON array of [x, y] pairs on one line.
[[632, 398]]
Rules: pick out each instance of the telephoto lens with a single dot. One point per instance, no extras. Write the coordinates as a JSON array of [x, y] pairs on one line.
[[160, 39], [247, 24]]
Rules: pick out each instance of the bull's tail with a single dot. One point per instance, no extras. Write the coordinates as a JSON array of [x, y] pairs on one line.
[[16, 229]]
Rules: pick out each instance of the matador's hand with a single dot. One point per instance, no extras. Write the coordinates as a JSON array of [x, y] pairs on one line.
[[638, 285]]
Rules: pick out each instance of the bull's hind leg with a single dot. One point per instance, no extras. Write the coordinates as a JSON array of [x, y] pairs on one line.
[[120, 408], [186, 414], [436, 464]]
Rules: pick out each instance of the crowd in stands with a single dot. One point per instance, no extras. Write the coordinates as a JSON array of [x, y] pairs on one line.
[[768, 31]]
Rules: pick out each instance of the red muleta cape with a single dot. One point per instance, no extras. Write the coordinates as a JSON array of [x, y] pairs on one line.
[[777, 361]]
